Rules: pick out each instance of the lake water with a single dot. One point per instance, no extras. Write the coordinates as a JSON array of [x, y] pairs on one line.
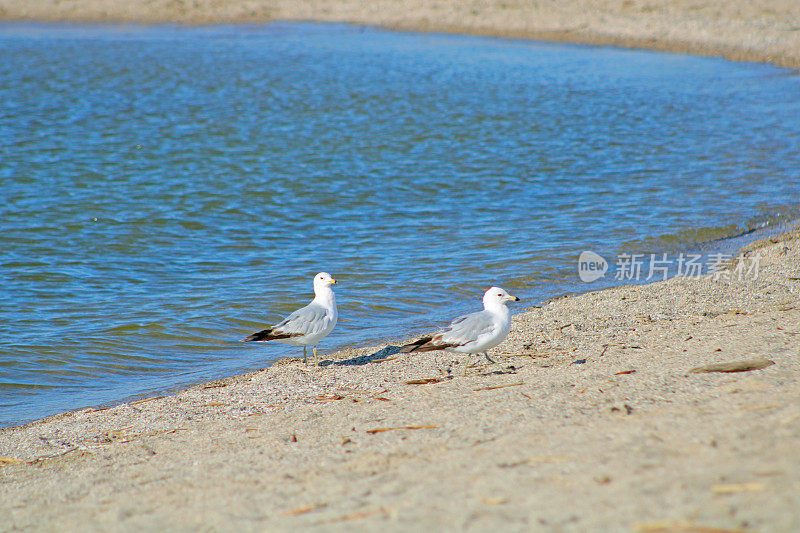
[[166, 191]]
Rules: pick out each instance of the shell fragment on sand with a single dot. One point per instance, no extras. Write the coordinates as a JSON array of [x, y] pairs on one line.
[[734, 366], [733, 488]]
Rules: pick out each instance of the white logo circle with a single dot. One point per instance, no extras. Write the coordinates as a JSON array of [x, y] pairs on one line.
[[591, 266]]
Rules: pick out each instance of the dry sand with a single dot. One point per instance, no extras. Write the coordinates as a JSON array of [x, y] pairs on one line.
[[628, 439], [765, 30]]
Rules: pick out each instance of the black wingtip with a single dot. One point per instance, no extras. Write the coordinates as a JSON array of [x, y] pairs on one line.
[[416, 345], [269, 335], [263, 335]]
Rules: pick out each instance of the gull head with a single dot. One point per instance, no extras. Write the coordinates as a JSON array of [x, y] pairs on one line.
[[323, 280], [496, 296]]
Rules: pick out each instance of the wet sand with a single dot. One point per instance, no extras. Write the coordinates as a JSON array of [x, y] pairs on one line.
[[601, 425], [764, 31]]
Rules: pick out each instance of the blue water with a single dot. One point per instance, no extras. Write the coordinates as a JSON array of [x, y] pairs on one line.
[[166, 191]]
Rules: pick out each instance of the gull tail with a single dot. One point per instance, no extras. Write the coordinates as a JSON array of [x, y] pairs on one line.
[[420, 345], [268, 334]]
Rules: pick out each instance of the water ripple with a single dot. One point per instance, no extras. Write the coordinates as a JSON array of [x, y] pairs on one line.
[[168, 190]]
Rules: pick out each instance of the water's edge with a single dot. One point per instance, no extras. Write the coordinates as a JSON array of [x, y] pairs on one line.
[[530, 249], [733, 245], [596, 34]]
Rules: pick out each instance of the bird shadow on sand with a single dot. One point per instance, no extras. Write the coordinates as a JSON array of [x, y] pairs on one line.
[[377, 357], [387, 353], [511, 369], [486, 370]]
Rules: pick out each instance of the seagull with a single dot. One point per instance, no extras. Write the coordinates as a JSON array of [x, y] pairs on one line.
[[472, 333], [309, 324]]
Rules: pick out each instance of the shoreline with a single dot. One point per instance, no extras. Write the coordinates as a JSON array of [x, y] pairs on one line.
[[602, 406], [768, 32], [731, 244]]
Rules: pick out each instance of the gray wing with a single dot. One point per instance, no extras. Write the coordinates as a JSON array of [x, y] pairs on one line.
[[466, 329], [307, 320]]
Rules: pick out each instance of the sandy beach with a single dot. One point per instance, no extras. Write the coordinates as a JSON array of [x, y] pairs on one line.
[[597, 422], [601, 425], [764, 31]]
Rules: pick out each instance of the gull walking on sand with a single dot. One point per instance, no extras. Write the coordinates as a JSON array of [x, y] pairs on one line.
[[472, 333], [309, 324]]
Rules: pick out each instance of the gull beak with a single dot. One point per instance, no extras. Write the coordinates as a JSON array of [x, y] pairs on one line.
[[513, 298], [333, 281]]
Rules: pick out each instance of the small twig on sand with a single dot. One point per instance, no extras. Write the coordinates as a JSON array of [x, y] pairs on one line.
[[529, 460], [681, 526], [355, 516], [55, 455], [304, 509], [381, 430], [492, 387], [329, 397], [733, 488], [423, 381], [544, 354], [763, 407], [143, 400]]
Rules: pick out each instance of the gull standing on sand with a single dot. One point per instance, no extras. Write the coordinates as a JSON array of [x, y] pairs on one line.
[[472, 333], [309, 324]]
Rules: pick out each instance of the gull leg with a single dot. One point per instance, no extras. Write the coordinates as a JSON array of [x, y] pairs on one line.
[[438, 366], [315, 355], [466, 365], [486, 354], [305, 361]]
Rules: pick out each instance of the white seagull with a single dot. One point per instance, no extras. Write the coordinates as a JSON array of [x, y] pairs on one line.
[[472, 333], [309, 324]]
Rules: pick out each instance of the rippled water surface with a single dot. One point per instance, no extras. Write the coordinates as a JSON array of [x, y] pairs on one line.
[[165, 191]]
